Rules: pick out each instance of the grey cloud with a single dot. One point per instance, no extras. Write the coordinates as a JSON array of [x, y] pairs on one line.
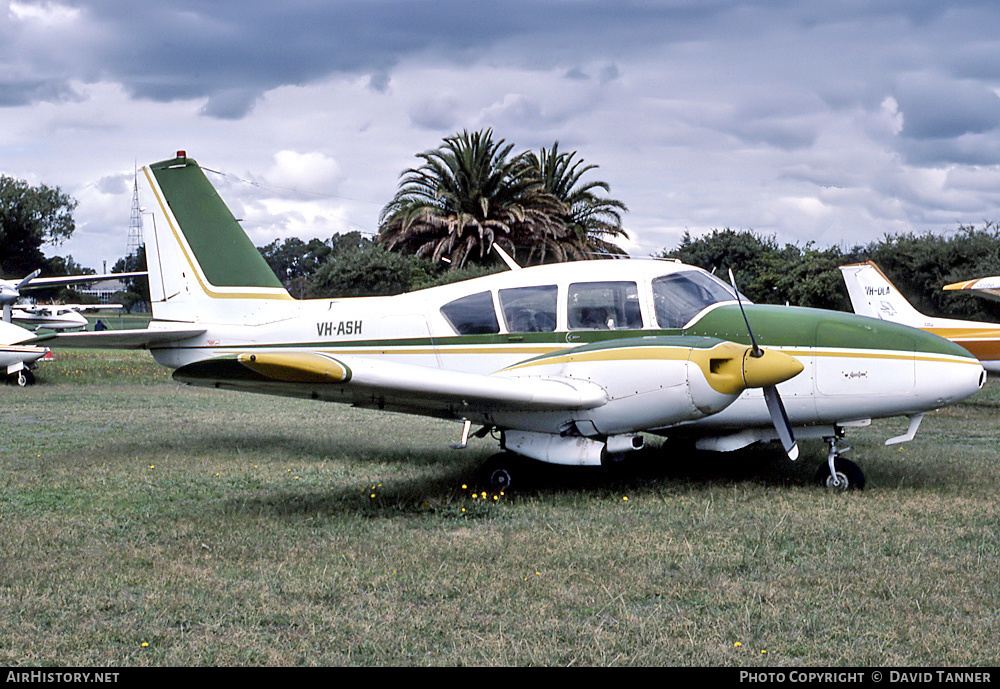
[[435, 114], [231, 104], [189, 49], [936, 108]]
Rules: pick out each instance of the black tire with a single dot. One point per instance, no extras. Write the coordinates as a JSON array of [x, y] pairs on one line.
[[849, 476], [22, 378], [499, 472]]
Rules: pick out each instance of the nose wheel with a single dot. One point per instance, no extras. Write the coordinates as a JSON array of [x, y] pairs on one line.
[[839, 474]]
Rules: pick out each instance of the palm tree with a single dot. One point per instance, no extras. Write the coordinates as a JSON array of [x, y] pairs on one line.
[[469, 193], [596, 220]]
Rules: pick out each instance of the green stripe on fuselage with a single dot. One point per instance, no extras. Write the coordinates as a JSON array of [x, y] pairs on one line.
[[226, 255]]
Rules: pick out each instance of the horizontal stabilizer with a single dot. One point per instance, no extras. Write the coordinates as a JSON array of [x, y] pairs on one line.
[[988, 287]]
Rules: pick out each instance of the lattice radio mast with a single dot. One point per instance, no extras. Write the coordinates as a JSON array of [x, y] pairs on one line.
[[135, 224]]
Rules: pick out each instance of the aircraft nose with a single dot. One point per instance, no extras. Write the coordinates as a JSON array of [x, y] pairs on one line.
[[954, 381]]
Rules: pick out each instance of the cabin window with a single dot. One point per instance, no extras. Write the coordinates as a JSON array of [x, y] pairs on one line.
[[529, 309], [679, 297], [604, 306], [472, 315]]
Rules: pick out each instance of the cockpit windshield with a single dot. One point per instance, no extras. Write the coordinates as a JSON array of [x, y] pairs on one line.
[[679, 297]]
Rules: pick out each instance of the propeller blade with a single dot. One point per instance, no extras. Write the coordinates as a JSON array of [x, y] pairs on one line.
[[775, 407], [28, 279], [779, 418], [753, 340]]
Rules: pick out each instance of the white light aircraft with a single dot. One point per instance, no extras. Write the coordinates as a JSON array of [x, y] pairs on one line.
[[56, 316], [16, 357], [10, 290], [872, 294], [569, 363]]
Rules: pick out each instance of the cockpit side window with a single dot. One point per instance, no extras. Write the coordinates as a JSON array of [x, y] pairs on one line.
[[603, 306], [529, 309], [679, 297], [472, 315]]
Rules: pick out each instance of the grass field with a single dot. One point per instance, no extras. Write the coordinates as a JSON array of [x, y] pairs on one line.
[[143, 524]]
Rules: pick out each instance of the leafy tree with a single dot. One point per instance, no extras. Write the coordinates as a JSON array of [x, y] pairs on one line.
[[469, 193], [754, 260], [30, 217], [918, 264], [295, 262], [356, 266], [595, 219]]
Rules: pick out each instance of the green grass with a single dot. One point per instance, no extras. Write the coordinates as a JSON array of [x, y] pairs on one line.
[[146, 524]]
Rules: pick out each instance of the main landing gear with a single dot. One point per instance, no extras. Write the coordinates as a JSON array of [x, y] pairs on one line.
[[499, 471], [22, 378], [838, 473]]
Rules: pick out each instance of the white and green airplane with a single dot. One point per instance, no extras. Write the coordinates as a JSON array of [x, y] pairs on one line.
[[568, 364]]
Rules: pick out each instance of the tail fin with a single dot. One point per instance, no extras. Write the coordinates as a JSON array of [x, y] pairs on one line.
[[202, 266], [873, 295]]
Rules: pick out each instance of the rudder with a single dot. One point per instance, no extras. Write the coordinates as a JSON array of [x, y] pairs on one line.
[[202, 265]]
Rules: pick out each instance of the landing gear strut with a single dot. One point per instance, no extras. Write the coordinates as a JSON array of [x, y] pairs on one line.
[[838, 473], [22, 378]]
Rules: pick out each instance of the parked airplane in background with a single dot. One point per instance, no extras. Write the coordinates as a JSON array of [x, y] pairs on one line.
[[56, 316], [10, 290], [981, 287], [873, 295], [568, 363], [17, 358]]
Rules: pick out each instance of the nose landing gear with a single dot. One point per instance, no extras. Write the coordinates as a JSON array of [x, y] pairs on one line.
[[839, 474]]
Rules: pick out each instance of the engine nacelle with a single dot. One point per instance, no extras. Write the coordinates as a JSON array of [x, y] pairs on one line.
[[570, 450]]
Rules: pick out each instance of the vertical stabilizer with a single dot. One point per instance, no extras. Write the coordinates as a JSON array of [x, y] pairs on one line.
[[873, 295], [202, 266]]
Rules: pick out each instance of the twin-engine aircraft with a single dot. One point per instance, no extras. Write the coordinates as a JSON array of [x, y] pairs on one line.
[[872, 294], [568, 363]]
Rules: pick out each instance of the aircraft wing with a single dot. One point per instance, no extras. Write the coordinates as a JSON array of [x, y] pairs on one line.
[[142, 338], [94, 307], [387, 385], [983, 287], [41, 283]]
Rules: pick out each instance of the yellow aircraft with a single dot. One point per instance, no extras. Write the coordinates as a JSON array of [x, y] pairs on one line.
[[568, 364], [872, 294]]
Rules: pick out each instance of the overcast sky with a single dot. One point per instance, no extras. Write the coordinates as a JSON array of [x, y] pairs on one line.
[[832, 122]]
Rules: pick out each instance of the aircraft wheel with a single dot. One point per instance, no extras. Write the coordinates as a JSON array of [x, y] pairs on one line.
[[499, 471], [848, 476], [22, 378]]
